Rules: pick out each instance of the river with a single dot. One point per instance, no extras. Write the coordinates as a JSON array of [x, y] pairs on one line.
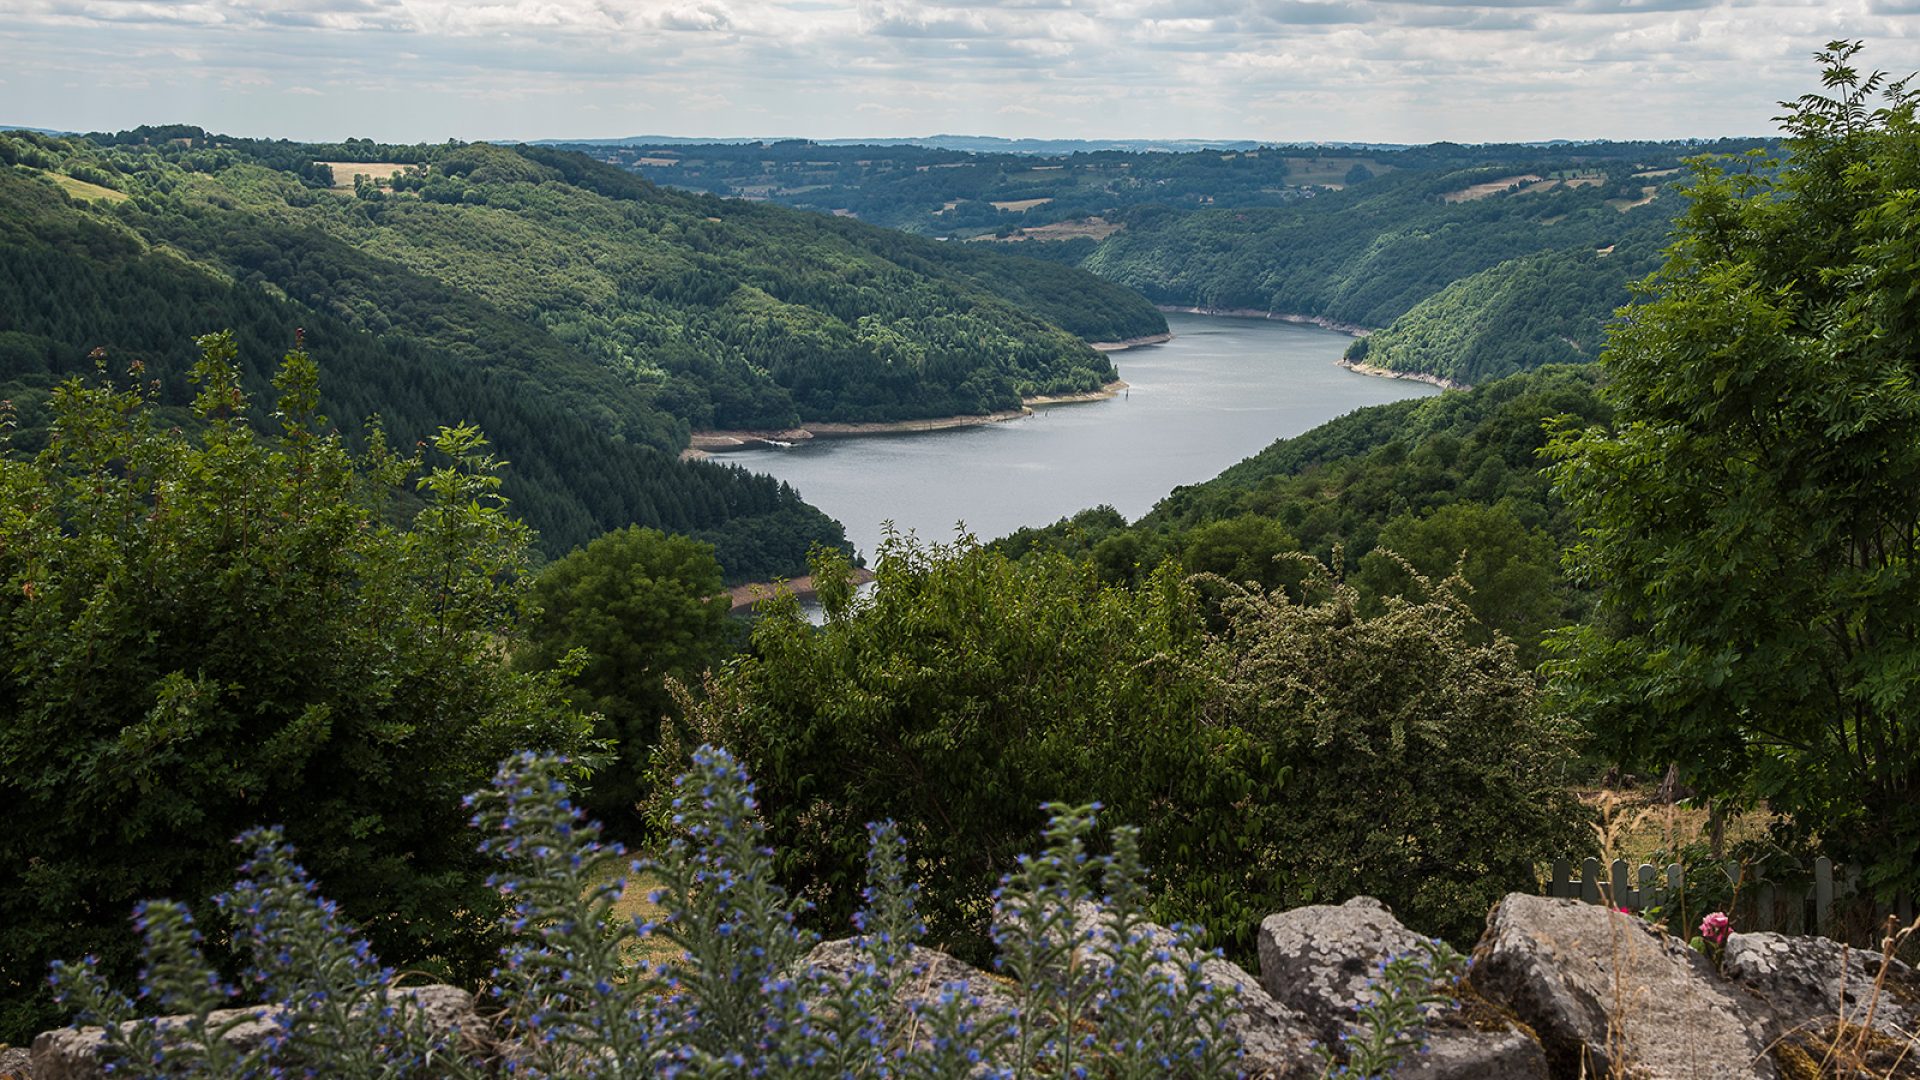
[[1221, 390]]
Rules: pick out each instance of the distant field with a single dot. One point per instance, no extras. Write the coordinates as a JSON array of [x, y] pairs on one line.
[[80, 189], [1491, 187], [1652, 173], [1647, 193], [1093, 228], [1019, 206], [345, 171], [1328, 171]]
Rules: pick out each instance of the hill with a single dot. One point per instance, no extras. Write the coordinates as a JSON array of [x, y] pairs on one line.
[[583, 317]]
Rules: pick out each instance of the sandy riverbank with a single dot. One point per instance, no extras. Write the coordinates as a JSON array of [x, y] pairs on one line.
[[1131, 343], [713, 442], [755, 591], [1411, 376]]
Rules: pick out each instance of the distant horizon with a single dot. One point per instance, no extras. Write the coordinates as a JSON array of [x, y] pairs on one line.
[[1271, 71], [1193, 142]]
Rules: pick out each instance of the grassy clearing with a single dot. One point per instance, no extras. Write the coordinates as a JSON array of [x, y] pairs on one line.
[[345, 171], [634, 904], [1640, 828], [1647, 192], [1093, 228], [1491, 187], [1020, 206], [80, 189]]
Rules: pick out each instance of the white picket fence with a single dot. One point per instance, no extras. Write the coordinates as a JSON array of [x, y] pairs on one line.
[[1762, 905]]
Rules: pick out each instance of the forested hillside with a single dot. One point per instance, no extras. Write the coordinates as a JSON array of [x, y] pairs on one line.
[[584, 318], [1480, 260]]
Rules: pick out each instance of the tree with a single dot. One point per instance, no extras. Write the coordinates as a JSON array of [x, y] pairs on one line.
[[644, 606], [1750, 518], [203, 632]]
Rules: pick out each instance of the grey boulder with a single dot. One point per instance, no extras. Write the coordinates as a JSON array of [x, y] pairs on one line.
[[1604, 991], [75, 1053], [1321, 961]]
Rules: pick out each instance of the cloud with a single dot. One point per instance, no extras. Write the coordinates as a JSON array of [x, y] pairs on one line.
[[1393, 70]]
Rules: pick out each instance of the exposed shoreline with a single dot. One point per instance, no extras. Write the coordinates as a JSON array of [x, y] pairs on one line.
[[705, 443], [1131, 343], [1349, 329], [751, 593], [1321, 321], [1440, 381]]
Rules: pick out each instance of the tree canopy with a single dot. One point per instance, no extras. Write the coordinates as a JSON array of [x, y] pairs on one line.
[[1750, 518], [203, 631]]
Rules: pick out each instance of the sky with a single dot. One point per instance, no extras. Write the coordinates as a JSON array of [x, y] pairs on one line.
[[1273, 70]]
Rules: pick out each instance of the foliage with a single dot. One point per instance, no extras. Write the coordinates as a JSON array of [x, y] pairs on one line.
[[1551, 308], [644, 607], [739, 999], [958, 696], [589, 452], [1391, 1024], [1749, 519], [970, 687], [203, 630], [1436, 784]]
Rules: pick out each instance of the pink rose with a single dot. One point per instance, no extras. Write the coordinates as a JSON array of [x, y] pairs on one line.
[[1716, 927]]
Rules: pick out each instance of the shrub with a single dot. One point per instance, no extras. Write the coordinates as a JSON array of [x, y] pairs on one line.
[[738, 1000], [201, 630], [1421, 770]]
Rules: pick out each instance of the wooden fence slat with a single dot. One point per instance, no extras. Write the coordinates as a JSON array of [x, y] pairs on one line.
[[1822, 895], [1590, 880], [1765, 909], [1562, 879], [1648, 895], [1620, 888]]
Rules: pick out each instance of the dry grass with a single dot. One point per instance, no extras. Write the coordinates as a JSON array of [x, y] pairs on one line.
[[1491, 187], [80, 189], [634, 903], [1093, 228], [1643, 827], [1020, 206], [1647, 192], [345, 171]]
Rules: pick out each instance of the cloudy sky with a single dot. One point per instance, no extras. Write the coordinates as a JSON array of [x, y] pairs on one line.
[[1385, 70]]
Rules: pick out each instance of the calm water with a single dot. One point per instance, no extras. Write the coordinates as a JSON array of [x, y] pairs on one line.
[[1220, 391]]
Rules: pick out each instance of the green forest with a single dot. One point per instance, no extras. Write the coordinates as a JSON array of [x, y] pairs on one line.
[[584, 318], [1470, 262]]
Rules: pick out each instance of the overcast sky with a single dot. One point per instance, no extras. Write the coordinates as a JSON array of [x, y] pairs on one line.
[[1382, 70]]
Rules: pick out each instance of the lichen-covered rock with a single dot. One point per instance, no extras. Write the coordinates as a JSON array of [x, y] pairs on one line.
[[930, 973], [1604, 990], [1809, 980], [16, 1063], [74, 1053], [1321, 961]]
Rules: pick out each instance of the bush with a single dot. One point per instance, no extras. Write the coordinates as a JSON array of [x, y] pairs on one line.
[[737, 1000], [1420, 768], [203, 630], [1308, 752]]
